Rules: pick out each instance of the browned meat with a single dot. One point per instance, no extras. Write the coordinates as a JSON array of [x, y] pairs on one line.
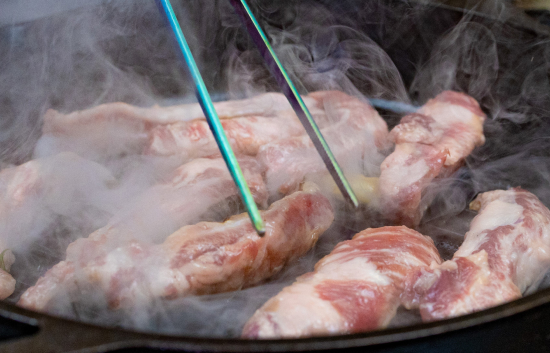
[[355, 288], [430, 143], [505, 253]]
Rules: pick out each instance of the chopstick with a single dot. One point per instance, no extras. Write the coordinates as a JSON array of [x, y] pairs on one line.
[[295, 100], [393, 106], [213, 121]]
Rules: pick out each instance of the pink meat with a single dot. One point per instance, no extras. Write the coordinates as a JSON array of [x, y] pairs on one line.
[[505, 253], [355, 288], [34, 194], [430, 143], [245, 134], [198, 259], [115, 129], [156, 213], [352, 129], [183, 199]]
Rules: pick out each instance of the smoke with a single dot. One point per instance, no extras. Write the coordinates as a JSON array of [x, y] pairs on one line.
[[319, 53], [78, 59], [503, 66], [455, 62], [122, 51]]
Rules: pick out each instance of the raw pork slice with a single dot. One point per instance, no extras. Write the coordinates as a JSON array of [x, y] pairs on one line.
[[191, 191], [203, 258], [116, 129], [355, 288], [432, 142], [193, 139], [352, 128], [505, 253], [152, 216]]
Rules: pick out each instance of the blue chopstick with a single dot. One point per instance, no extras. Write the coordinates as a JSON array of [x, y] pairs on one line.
[[213, 121], [294, 98]]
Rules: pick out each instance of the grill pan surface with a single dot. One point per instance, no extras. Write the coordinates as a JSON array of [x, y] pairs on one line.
[[522, 325]]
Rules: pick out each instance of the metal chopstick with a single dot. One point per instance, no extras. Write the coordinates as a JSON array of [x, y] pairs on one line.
[[295, 100], [393, 106], [214, 121]]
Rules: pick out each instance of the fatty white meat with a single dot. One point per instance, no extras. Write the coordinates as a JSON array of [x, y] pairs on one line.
[[430, 143], [356, 288], [505, 254], [203, 258]]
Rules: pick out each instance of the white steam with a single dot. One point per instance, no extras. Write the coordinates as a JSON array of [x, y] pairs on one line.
[[122, 51]]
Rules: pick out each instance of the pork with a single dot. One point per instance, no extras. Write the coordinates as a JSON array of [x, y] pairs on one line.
[[186, 196], [183, 199], [7, 282], [35, 194], [198, 259], [430, 143], [505, 253], [193, 139], [357, 287], [116, 129], [352, 128]]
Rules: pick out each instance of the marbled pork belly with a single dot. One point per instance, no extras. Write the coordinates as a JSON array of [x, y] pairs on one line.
[[352, 128], [356, 288], [191, 191], [430, 143], [505, 253]]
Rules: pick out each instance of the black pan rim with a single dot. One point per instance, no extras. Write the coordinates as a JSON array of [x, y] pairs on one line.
[[119, 338]]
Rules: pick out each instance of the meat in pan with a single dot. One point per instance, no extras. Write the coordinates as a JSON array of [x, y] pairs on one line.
[[114, 129], [357, 287], [129, 263], [35, 194], [505, 254], [350, 126], [430, 143], [165, 207], [192, 139], [264, 125], [199, 259], [162, 209], [212, 184]]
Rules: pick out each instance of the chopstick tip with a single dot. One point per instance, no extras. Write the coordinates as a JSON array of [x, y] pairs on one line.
[[260, 230]]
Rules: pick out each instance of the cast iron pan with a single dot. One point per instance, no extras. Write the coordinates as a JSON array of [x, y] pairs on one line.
[[522, 325], [519, 326]]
